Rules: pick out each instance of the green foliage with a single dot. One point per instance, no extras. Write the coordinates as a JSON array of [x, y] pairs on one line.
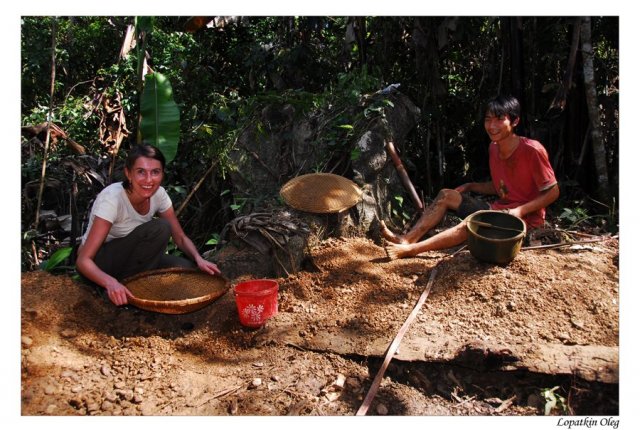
[[58, 258], [160, 124], [398, 210], [574, 215], [221, 79], [214, 240]]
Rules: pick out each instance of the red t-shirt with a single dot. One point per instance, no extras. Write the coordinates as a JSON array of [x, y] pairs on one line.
[[521, 177]]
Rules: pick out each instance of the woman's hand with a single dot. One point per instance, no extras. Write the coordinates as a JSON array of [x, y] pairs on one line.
[[207, 266], [118, 293]]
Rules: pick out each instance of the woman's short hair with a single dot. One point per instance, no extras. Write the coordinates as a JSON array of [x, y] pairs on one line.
[[144, 150]]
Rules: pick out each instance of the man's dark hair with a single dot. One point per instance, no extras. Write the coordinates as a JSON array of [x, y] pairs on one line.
[[504, 106], [144, 150]]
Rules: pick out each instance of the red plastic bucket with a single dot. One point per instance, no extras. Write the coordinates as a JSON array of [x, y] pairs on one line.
[[257, 301]]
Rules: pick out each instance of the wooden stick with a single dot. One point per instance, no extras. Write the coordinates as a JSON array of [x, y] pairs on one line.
[[395, 344], [497, 227], [396, 341], [404, 177], [579, 242], [197, 186]]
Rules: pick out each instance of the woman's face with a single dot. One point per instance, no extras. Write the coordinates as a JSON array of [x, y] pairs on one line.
[[145, 177]]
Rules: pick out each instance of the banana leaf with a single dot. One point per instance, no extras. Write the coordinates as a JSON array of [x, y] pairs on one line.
[[160, 122]]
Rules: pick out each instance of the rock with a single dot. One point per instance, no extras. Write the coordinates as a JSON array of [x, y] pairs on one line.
[[69, 374], [93, 407], [148, 408], [50, 409], [275, 378], [107, 406], [382, 409], [110, 396], [353, 384], [105, 370], [256, 382], [125, 394], [76, 388], [534, 401], [137, 398], [26, 341], [119, 385], [68, 333]]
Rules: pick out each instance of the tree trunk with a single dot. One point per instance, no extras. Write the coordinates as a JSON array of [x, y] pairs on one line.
[[49, 120], [597, 142], [560, 100]]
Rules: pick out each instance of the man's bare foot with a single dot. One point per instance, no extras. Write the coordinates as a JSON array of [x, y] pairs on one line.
[[398, 250], [391, 236]]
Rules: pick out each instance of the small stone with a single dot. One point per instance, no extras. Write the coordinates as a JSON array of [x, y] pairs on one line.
[[577, 323], [76, 388], [382, 409], [49, 389], [275, 378], [148, 408], [139, 390], [353, 384], [256, 382], [119, 385], [125, 394], [107, 406], [533, 401], [110, 396], [50, 409], [26, 341], [93, 407], [67, 333], [105, 370], [68, 374], [137, 398]]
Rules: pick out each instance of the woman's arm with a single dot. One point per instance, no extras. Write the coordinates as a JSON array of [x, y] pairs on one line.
[[86, 265], [185, 244]]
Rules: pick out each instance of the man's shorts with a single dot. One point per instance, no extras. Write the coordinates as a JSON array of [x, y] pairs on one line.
[[471, 205]]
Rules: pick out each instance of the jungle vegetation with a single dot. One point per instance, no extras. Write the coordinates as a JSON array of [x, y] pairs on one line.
[[83, 78]]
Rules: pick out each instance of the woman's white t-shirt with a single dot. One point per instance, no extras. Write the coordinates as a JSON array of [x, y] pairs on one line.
[[113, 205]]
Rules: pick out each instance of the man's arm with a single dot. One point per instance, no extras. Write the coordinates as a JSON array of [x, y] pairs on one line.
[[544, 199], [477, 187]]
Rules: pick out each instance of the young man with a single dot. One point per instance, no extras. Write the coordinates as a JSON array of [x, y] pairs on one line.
[[521, 177]]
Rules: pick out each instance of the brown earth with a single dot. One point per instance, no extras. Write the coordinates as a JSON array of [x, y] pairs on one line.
[[487, 341]]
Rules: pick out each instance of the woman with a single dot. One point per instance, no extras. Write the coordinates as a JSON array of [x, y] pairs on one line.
[[123, 237]]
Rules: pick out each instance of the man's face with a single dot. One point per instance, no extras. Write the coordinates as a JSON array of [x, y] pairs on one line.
[[499, 127]]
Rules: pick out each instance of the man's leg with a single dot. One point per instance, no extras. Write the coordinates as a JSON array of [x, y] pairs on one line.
[[446, 239], [445, 200]]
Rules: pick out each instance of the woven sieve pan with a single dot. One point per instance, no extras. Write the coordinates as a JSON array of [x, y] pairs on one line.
[[175, 290], [321, 193]]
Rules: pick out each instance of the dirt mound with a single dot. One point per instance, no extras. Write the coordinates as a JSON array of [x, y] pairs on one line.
[[82, 355]]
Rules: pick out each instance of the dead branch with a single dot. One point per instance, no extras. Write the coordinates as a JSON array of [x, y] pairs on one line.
[[196, 187]]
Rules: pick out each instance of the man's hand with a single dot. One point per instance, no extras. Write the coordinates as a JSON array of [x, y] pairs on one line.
[[516, 212]]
